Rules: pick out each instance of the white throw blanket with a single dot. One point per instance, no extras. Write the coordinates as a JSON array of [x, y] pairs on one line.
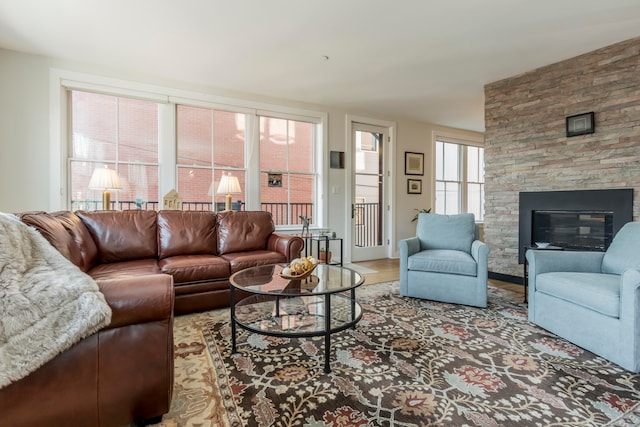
[[47, 304]]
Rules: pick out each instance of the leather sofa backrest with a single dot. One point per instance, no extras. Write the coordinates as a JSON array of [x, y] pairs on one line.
[[243, 231], [123, 235], [67, 233], [186, 233]]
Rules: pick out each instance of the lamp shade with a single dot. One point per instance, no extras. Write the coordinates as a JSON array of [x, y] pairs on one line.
[[229, 184], [105, 178]]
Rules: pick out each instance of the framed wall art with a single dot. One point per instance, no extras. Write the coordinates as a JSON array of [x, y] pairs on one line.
[[580, 124], [414, 186], [275, 180], [413, 163]]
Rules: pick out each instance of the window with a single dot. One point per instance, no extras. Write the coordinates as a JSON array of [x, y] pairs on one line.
[[459, 179], [160, 139], [287, 169], [119, 133], [209, 143]]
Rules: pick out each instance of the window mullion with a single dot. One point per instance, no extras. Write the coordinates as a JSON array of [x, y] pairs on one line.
[[167, 143], [464, 179]]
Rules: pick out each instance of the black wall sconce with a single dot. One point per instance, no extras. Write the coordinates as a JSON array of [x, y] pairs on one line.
[[337, 160]]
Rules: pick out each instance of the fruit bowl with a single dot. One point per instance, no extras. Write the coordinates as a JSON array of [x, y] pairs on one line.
[[300, 268]]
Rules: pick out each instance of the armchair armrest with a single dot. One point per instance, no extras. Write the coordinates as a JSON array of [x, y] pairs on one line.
[[480, 251], [286, 244], [630, 315], [629, 294], [570, 261], [407, 248]]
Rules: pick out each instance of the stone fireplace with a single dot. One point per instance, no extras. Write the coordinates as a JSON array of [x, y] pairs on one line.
[[577, 220]]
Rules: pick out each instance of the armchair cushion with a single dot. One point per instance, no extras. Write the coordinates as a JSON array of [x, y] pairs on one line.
[[598, 292], [443, 261], [455, 232]]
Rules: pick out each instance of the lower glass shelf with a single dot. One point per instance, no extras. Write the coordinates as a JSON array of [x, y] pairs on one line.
[[296, 315]]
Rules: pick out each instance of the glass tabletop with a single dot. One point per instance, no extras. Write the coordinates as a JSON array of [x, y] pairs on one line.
[[325, 279]]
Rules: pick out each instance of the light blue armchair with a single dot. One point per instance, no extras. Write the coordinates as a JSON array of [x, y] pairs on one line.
[[591, 299], [445, 261]]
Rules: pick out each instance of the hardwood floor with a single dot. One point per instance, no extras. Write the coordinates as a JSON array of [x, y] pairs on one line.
[[388, 270]]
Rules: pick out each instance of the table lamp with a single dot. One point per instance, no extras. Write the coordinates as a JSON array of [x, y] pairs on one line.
[[229, 184], [105, 179]]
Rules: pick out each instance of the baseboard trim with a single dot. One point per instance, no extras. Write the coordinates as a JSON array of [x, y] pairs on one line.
[[506, 278]]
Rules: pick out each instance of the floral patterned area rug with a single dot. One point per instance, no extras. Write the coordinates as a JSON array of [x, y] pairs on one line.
[[409, 362]]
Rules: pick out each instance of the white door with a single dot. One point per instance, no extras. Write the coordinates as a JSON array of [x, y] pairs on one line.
[[369, 204]]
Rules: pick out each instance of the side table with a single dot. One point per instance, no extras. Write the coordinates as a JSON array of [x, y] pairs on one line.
[[322, 242]]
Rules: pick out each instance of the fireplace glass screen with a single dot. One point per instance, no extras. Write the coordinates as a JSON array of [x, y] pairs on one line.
[[589, 231]]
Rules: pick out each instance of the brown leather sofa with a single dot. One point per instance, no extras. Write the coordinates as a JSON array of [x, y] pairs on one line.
[[199, 249], [148, 265]]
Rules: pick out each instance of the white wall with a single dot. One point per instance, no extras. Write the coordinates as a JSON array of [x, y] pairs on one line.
[[24, 132], [25, 153]]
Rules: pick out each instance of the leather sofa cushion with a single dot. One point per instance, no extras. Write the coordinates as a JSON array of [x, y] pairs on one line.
[[193, 268], [595, 291], [241, 260], [124, 269], [186, 233], [243, 231], [67, 233], [123, 235], [195, 288], [443, 261]]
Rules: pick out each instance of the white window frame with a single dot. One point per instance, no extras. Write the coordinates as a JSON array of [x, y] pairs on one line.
[[60, 81], [464, 140]]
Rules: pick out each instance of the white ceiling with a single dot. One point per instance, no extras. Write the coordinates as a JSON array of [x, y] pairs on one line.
[[426, 60]]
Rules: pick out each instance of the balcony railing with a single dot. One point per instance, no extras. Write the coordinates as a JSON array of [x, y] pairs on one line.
[[367, 231], [279, 211], [367, 228]]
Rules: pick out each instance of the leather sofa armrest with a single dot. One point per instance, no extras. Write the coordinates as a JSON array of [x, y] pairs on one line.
[[139, 299], [286, 244]]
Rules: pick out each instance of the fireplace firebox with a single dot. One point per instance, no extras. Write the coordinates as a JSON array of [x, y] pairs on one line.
[[576, 220]]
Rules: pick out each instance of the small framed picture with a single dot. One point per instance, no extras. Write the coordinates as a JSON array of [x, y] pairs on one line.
[[413, 163], [580, 124], [414, 186], [275, 180]]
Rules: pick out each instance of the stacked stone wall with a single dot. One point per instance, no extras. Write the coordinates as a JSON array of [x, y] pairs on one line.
[[526, 144]]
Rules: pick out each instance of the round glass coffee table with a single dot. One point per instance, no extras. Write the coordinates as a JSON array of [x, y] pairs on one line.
[[320, 305]]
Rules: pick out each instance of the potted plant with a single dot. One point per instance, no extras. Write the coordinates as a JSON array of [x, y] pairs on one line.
[[419, 211], [324, 256]]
